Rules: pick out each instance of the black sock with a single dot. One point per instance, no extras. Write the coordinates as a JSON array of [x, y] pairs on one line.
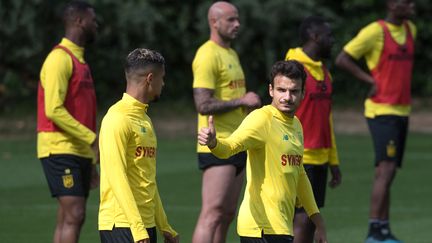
[[374, 228]]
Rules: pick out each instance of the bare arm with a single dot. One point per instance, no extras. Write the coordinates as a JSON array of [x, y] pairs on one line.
[[207, 104], [320, 233]]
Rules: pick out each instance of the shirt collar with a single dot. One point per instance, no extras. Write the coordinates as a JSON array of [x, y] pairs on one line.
[[134, 102]]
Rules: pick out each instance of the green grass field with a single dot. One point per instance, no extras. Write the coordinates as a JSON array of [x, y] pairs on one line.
[[27, 212]]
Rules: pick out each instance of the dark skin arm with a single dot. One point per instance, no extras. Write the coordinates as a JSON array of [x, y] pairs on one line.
[[336, 176], [346, 62], [207, 104]]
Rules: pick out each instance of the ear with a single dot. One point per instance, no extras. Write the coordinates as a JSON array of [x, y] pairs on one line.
[[271, 90], [149, 78], [214, 23]]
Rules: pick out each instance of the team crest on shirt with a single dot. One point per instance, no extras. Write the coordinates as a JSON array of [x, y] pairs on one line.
[[285, 137], [68, 181], [143, 129]]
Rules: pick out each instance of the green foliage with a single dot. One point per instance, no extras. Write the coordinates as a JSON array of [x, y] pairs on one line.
[[30, 28]]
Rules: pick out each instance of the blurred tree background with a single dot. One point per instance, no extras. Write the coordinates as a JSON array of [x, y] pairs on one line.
[[30, 28]]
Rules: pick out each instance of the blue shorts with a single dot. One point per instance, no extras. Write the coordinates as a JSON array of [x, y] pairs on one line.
[[389, 135], [67, 175]]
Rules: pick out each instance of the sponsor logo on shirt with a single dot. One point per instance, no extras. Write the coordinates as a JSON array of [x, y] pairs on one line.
[[291, 159], [148, 152]]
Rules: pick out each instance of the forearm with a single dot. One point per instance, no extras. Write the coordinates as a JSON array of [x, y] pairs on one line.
[[305, 194], [333, 157], [225, 148], [213, 106], [62, 119], [160, 216], [345, 61]]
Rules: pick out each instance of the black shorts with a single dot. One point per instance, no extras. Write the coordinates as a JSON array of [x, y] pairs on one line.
[[317, 175], [389, 135], [268, 239], [67, 175], [206, 160], [124, 235]]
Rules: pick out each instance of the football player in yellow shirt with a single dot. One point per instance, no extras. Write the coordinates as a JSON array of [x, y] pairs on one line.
[[315, 111], [273, 138], [66, 122], [130, 207], [388, 48], [220, 90]]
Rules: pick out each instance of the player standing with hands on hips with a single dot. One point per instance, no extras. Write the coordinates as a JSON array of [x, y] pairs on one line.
[[388, 47]]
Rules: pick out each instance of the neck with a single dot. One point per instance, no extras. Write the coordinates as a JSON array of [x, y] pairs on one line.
[[219, 40], [76, 38], [311, 51], [394, 20], [134, 92]]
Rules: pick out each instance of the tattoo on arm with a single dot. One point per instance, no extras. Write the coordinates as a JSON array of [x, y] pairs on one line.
[[207, 104]]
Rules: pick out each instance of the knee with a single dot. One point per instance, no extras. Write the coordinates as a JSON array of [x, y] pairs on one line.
[[76, 216], [217, 215], [386, 172]]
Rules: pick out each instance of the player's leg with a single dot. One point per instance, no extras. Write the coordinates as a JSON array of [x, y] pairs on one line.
[[68, 178], [216, 182], [73, 217], [59, 224], [388, 133], [230, 206]]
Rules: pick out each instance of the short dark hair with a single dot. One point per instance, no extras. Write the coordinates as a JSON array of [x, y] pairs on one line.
[[141, 59], [74, 9], [309, 24], [291, 69]]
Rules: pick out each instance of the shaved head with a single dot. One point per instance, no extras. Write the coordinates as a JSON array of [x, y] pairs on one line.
[[218, 9], [224, 23]]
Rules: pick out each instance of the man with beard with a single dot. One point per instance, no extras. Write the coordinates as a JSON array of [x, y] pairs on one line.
[[220, 90], [276, 179], [314, 113], [66, 125], [388, 48], [130, 207]]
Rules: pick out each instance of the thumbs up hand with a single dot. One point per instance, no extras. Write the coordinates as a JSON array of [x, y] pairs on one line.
[[207, 135]]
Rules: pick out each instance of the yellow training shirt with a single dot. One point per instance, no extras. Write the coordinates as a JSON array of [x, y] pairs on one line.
[[369, 43], [128, 192], [321, 155], [54, 76], [275, 173], [219, 69]]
